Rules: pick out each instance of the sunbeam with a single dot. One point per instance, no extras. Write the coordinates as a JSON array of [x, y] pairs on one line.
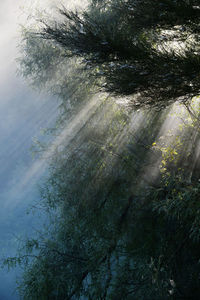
[[110, 114]]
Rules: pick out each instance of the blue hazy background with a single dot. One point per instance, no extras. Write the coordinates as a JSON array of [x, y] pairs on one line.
[[23, 114]]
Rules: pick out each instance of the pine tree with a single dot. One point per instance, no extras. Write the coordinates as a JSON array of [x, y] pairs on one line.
[[147, 49], [110, 236]]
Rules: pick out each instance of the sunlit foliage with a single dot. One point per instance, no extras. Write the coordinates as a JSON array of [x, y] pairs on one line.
[[112, 236], [122, 195]]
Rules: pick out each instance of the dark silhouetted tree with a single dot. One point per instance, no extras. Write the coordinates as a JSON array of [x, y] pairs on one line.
[[148, 49]]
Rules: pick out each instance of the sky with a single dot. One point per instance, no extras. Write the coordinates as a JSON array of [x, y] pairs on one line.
[[23, 114]]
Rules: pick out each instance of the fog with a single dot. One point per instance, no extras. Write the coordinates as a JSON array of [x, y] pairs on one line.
[[23, 113]]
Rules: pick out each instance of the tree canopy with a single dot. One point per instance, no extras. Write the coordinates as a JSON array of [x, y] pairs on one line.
[[122, 194], [144, 48]]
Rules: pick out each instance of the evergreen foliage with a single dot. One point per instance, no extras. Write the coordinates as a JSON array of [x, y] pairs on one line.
[[149, 48], [115, 232], [111, 236]]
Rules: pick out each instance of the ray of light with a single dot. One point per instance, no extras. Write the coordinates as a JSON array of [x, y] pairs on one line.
[[34, 172]]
